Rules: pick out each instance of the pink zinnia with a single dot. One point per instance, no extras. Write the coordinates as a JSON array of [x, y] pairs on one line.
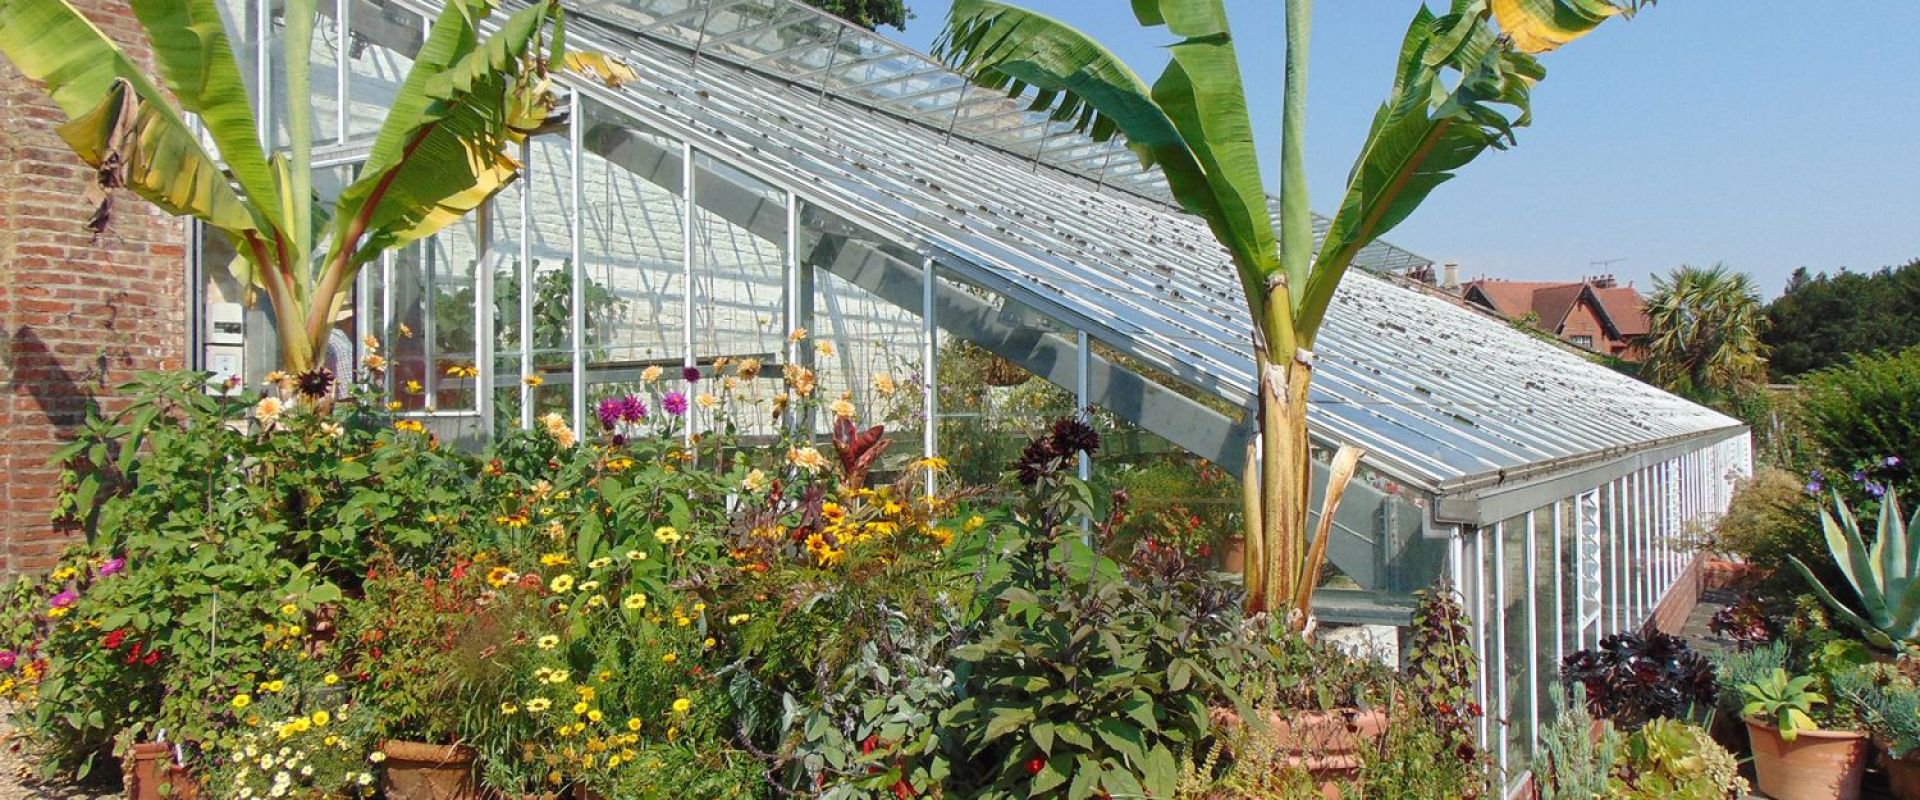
[[674, 403]]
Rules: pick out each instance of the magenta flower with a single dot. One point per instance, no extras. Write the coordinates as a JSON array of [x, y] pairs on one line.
[[690, 374], [7, 659], [620, 409], [674, 403], [112, 567], [608, 411], [65, 599]]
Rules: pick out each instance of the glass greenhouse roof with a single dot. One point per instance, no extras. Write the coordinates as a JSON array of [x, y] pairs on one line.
[[1439, 394]]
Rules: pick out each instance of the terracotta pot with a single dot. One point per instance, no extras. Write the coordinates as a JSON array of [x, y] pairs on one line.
[[419, 771], [1325, 744], [1816, 765], [152, 775], [1718, 573], [1903, 776], [1233, 555]]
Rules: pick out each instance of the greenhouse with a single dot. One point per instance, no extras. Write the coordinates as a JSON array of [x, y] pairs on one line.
[[782, 187]]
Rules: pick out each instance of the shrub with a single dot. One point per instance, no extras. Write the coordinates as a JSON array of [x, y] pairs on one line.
[[1088, 675], [1860, 413], [1634, 678], [1735, 668], [1773, 518]]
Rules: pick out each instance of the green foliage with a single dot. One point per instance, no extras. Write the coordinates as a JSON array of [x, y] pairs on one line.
[[1418, 759], [1821, 320], [216, 528], [1736, 668], [1088, 675], [1865, 410], [1783, 702], [1883, 577], [1772, 519], [1890, 708], [869, 14], [1705, 342], [1579, 764], [1673, 760]]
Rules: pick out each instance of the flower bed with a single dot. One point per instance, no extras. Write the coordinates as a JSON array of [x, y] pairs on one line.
[[291, 588]]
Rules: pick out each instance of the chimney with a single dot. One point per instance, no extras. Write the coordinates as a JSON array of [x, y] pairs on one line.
[[1450, 277]]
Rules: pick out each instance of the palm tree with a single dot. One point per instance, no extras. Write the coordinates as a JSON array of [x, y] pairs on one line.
[[445, 147], [1460, 87], [1705, 334]]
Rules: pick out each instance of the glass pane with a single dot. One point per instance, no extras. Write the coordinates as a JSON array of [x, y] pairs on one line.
[[505, 264], [864, 333], [1546, 614], [322, 96], [634, 246], [740, 290], [452, 260], [379, 54], [989, 406], [1519, 660], [545, 283]]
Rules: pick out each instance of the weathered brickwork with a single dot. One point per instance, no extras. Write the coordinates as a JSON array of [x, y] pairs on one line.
[[81, 312]]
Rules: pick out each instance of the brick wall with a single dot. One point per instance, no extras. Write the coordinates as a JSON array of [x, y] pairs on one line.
[[81, 311]]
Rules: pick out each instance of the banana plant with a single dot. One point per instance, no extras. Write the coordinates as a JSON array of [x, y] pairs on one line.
[[444, 148], [1461, 86], [1882, 576]]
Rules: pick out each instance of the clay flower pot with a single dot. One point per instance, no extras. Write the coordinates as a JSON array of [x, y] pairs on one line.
[[1325, 744], [1816, 765], [1903, 776], [152, 775], [419, 771]]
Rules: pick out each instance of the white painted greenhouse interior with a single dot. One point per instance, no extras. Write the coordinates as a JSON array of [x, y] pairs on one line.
[[775, 169]]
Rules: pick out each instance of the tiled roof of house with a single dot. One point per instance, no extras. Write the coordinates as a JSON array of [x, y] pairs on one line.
[[1624, 306]]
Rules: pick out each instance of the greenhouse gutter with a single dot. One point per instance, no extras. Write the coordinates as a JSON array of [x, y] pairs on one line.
[[1490, 497]]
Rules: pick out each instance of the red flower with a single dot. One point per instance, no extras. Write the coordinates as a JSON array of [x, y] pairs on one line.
[[153, 657], [868, 745], [1035, 764], [133, 654], [112, 640], [901, 789], [1473, 709]]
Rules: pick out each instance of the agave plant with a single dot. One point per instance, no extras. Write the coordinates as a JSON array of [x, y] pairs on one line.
[[1461, 87], [1883, 576], [445, 147]]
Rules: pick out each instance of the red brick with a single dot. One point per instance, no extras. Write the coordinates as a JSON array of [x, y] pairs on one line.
[[81, 311]]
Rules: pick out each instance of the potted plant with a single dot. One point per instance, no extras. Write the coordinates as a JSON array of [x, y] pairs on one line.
[[1793, 759], [153, 773], [429, 649], [1891, 710]]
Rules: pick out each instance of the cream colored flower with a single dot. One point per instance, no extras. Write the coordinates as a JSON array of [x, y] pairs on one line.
[[800, 379], [755, 481], [824, 348], [798, 335], [807, 458], [650, 374], [842, 409], [268, 410], [707, 400], [557, 428], [884, 385], [747, 368]]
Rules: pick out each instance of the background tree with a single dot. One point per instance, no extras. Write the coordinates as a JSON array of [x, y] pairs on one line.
[[869, 14], [1705, 339], [1461, 86], [1821, 319], [444, 148]]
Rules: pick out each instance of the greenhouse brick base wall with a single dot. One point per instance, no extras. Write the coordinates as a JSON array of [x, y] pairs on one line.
[[1671, 615], [82, 311]]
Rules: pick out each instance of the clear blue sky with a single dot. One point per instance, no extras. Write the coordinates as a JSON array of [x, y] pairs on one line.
[[1766, 135]]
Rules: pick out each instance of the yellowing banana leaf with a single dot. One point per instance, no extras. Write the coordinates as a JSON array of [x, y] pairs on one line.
[[599, 66], [1537, 26], [456, 153], [156, 158]]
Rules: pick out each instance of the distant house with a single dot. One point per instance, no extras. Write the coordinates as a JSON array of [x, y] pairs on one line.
[[1596, 314]]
